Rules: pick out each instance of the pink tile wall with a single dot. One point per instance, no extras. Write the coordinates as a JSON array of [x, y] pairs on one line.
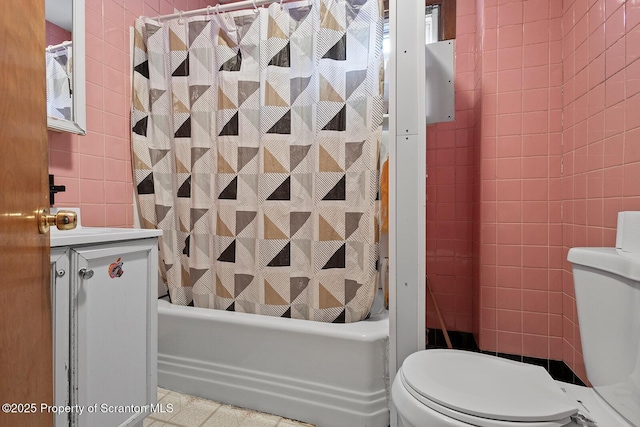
[[499, 176], [601, 155], [557, 159], [56, 35], [477, 129], [96, 168], [520, 223], [450, 162]]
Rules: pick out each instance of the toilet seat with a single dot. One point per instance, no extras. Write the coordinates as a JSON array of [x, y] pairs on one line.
[[485, 390]]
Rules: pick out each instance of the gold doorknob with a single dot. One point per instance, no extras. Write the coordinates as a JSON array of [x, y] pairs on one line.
[[63, 220]]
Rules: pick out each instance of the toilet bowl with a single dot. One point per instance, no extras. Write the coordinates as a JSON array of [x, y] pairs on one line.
[[453, 388], [458, 388]]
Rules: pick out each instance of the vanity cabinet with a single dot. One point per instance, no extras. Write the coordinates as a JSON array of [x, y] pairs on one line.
[[104, 291]]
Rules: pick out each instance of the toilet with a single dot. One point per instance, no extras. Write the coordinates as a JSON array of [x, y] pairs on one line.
[[452, 388]]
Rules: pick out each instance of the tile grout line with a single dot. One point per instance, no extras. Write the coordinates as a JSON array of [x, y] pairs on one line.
[[211, 414], [234, 409]]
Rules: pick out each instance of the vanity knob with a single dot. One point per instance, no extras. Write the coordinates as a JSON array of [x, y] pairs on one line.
[[85, 274]]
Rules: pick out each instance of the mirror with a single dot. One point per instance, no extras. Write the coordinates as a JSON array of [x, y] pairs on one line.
[[64, 55]]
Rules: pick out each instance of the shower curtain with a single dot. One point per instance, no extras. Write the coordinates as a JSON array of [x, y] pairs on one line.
[[255, 140], [59, 82]]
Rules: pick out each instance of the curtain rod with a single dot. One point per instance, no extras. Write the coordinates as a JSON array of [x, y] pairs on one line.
[[210, 10], [59, 46]]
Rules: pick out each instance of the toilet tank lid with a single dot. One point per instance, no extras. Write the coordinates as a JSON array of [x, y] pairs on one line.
[[487, 386], [612, 260]]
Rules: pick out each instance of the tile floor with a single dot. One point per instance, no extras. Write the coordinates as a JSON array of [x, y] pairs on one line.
[[189, 411]]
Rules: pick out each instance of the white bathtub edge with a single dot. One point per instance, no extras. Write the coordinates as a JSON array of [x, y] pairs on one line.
[[372, 329], [330, 375], [283, 398]]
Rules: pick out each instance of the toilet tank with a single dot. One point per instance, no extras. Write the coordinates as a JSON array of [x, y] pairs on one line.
[[607, 287]]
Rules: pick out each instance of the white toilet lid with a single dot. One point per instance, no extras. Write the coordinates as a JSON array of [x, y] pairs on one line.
[[487, 386]]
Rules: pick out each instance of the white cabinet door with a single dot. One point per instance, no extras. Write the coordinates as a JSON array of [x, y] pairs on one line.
[[60, 311], [114, 317]]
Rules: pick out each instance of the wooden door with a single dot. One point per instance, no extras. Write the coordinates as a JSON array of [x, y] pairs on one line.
[[26, 362]]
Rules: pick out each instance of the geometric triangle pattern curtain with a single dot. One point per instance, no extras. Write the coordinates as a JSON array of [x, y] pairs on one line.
[[59, 66], [255, 146]]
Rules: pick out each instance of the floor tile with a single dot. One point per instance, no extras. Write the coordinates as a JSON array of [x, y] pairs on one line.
[[162, 393], [162, 424], [290, 423], [189, 411], [176, 400], [227, 416], [153, 423], [256, 419], [195, 412]]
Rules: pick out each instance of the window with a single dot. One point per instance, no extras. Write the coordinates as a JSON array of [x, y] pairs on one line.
[[445, 16], [431, 24]]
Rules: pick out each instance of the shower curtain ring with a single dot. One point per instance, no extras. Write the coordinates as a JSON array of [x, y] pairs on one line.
[[180, 20], [255, 6], [281, 8], [208, 10], [218, 9]]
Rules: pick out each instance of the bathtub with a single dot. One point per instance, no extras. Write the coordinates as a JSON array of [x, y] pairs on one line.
[[331, 375]]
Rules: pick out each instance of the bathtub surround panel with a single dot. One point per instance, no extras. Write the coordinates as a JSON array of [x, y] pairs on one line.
[[257, 157], [326, 374]]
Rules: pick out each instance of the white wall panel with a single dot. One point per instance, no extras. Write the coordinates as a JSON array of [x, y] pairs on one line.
[[407, 198]]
